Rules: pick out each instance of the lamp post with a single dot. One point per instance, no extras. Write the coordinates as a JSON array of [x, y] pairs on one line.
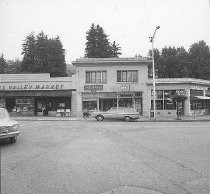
[[153, 70]]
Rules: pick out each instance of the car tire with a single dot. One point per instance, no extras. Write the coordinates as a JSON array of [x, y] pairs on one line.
[[100, 118], [12, 139], [127, 119]]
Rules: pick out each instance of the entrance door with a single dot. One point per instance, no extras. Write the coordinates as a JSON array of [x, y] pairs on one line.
[[107, 104], [10, 104], [138, 105]]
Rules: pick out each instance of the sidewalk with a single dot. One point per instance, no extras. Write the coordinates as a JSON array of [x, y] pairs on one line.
[[142, 119]]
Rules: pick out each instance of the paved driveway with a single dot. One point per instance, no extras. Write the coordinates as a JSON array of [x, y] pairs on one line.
[[107, 157]]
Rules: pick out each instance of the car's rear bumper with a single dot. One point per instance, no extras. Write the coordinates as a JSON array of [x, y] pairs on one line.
[[8, 135]]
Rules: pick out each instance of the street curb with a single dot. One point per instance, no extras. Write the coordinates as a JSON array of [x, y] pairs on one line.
[[81, 119]]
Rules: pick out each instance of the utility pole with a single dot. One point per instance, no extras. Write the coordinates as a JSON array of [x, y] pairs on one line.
[[153, 71]]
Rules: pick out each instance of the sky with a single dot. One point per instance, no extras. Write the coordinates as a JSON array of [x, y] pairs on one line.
[[128, 22]]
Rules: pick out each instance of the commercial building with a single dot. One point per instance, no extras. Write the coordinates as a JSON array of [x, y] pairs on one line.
[[103, 83], [99, 84], [37, 94], [197, 92]]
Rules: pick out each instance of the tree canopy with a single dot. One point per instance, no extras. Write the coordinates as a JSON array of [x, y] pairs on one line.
[[199, 55], [43, 55], [174, 62], [98, 44]]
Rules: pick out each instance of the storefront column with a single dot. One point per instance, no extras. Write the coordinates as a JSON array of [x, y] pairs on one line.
[[117, 100], [74, 104], [187, 104], [97, 104], [146, 103]]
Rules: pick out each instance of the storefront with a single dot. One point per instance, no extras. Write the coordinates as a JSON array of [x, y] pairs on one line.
[[103, 83], [36, 95], [100, 84], [103, 101], [199, 103], [195, 90]]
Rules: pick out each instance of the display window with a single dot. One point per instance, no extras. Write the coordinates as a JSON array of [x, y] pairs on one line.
[[2, 102], [164, 100], [89, 105], [24, 105]]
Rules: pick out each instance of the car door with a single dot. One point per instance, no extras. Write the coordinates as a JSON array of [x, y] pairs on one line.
[[111, 114], [120, 113]]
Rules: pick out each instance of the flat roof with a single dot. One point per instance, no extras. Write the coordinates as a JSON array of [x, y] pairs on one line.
[[111, 60], [179, 81], [32, 78]]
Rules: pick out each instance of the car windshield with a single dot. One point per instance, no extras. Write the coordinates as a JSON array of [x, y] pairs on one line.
[[3, 114], [113, 109]]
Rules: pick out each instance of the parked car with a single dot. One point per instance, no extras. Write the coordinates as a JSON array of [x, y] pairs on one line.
[[127, 114], [9, 129]]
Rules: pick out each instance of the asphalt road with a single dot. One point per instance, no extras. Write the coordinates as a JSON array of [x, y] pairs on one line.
[[107, 157]]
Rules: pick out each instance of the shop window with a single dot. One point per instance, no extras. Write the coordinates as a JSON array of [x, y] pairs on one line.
[[168, 94], [96, 77], [127, 76], [24, 105], [169, 105], [126, 102], [2, 103], [159, 94], [198, 104], [89, 105], [164, 100], [159, 104]]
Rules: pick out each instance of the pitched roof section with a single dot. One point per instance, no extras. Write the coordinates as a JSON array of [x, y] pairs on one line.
[[82, 61]]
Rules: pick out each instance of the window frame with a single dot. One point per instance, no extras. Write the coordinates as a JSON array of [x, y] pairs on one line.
[[93, 77], [127, 76]]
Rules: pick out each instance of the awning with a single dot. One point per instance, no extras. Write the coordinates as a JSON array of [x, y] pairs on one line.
[[203, 97]]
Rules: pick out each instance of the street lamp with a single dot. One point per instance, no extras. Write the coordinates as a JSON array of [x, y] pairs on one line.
[[153, 69]]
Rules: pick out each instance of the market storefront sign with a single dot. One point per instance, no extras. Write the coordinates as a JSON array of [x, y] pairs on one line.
[[32, 87], [35, 93], [93, 87]]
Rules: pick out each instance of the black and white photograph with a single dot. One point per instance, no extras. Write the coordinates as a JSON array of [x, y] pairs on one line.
[[105, 96]]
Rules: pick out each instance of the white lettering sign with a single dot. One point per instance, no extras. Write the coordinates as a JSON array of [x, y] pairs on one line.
[[32, 87]]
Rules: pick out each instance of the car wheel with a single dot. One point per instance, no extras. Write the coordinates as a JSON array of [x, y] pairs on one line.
[[127, 119], [100, 118], [13, 139]]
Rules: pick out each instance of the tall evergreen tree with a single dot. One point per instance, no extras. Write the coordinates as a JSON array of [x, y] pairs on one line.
[[2, 64], [98, 45], [29, 53], [44, 55]]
